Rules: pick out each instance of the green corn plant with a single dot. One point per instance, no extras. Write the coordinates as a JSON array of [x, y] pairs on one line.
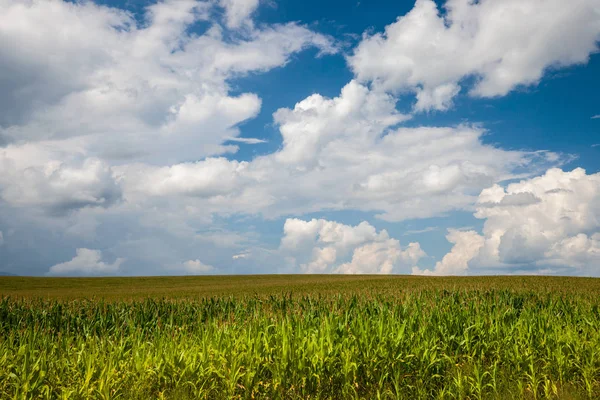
[[430, 344]]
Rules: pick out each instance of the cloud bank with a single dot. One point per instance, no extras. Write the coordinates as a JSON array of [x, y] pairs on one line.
[[121, 133], [547, 224]]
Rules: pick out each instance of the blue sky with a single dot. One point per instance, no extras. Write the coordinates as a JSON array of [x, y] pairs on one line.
[[246, 136]]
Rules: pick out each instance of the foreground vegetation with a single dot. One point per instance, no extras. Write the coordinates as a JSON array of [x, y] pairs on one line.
[[480, 340]]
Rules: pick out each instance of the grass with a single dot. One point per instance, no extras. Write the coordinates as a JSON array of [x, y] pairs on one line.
[[300, 337]]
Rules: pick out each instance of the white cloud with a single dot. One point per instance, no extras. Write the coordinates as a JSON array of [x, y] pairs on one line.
[[247, 140], [242, 256], [317, 124], [86, 262], [381, 258], [321, 246], [466, 246], [151, 91], [237, 12], [351, 146], [596, 116], [439, 98], [191, 267], [116, 91], [209, 178], [580, 251], [503, 44], [29, 178], [549, 223]]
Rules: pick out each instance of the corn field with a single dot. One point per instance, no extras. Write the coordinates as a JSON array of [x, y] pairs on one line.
[[431, 344]]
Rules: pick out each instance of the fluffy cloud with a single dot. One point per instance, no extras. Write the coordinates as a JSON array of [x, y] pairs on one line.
[[321, 246], [317, 125], [86, 262], [502, 44], [191, 267], [55, 178], [117, 141], [238, 11], [209, 178], [466, 246], [52, 184], [153, 91], [550, 223], [119, 91], [351, 146]]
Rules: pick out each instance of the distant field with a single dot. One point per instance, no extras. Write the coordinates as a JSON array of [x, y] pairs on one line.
[[265, 285], [300, 337]]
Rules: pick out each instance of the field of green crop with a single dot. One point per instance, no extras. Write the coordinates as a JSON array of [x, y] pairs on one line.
[[298, 337]]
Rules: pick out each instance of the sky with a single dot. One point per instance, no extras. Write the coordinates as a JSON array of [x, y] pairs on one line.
[[188, 137]]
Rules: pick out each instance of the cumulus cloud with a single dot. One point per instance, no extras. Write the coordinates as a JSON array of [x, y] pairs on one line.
[[209, 178], [125, 136], [151, 90], [52, 184], [321, 246], [466, 246], [352, 146], [119, 91], [549, 223], [502, 44], [87, 262], [191, 267], [316, 124], [237, 12]]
